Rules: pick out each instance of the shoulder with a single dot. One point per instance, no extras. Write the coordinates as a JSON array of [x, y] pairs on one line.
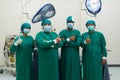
[[97, 32], [54, 33], [39, 33], [76, 30], [64, 30], [30, 37], [85, 33]]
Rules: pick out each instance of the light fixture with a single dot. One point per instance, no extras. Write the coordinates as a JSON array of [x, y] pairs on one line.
[[93, 6], [47, 11]]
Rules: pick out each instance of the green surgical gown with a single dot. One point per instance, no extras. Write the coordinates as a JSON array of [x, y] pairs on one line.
[[23, 52], [70, 59], [92, 54], [47, 55]]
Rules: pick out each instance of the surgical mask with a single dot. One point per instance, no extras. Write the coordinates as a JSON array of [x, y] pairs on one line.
[[70, 25], [90, 28], [47, 28], [26, 31]]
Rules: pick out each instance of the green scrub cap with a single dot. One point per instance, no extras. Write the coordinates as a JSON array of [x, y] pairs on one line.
[[44, 22], [90, 22], [25, 25], [70, 18]]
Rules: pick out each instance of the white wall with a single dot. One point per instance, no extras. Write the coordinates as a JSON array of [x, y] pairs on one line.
[[107, 20], [11, 16]]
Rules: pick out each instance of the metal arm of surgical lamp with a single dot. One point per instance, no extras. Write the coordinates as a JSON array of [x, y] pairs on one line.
[[24, 4], [27, 14]]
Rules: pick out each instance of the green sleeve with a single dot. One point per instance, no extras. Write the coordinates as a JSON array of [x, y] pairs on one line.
[[82, 44], [59, 45], [103, 43], [64, 41], [42, 43], [13, 48], [76, 43]]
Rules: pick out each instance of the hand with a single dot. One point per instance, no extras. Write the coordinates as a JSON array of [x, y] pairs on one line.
[[72, 38], [58, 39], [87, 40], [103, 61], [62, 39], [19, 41]]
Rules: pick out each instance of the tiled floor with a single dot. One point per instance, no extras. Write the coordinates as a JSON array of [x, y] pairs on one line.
[[7, 77], [114, 74]]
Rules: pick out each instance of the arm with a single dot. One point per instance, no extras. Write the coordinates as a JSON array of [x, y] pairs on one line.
[[42, 43], [60, 44], [76, 42], [13, 48], [82, 44], [104, 52], [103, 45], [63, 40]]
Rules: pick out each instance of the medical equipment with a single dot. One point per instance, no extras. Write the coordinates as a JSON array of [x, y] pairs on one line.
[[93, 6], [9, 66], [47, 11]]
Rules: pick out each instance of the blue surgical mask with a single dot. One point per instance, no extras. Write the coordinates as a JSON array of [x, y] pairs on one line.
[[47, 28], [70, 25], [26, 31], [90, 28]]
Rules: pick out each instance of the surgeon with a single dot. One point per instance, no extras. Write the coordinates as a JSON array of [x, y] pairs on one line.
[[93, 52], [48, 42], [23, 46], [70, 60]]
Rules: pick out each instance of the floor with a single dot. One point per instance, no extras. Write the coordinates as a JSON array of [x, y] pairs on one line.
[[114, 74]]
